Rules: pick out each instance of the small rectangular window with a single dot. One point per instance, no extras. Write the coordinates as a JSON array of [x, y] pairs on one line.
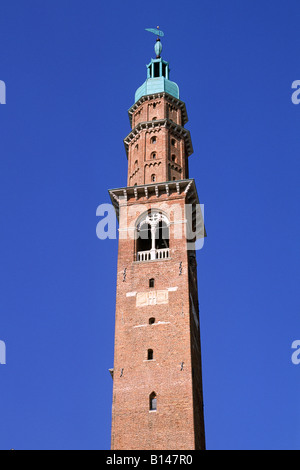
[[150, 355]]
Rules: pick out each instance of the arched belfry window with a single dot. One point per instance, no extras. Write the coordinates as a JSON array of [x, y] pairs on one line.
[[152, 237]]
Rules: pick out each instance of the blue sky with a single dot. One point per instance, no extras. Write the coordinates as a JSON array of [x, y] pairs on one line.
[[71, 70]]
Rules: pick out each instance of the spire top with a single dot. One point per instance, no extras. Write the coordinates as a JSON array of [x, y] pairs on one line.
[[158, 45]]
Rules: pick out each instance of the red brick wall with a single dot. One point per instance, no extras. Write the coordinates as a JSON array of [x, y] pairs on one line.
[[176, 424], [174, 374], [169, 161]]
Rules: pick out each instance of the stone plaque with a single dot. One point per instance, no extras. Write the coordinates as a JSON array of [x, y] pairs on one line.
[[154, 297]]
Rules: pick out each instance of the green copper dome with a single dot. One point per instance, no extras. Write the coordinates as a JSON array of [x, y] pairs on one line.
[[157, 80]]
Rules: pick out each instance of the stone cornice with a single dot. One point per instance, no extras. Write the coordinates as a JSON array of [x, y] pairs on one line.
[[168, 189], [168, 97], [176, 129]]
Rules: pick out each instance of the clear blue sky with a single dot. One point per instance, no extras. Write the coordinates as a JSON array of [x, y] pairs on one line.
[[71, 70]]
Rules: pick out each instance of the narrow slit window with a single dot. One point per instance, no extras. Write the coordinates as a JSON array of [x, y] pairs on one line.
[[151, 282], [153, 402]]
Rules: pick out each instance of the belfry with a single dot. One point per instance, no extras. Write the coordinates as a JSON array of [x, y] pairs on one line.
[[157, 376]]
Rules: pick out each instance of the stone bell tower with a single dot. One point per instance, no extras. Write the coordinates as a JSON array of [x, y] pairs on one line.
[[157, 377]]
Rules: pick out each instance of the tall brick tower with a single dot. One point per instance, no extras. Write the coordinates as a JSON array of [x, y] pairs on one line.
[[157, 378]]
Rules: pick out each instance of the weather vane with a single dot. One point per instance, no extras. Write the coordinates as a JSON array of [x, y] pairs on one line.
[[158, 45]]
